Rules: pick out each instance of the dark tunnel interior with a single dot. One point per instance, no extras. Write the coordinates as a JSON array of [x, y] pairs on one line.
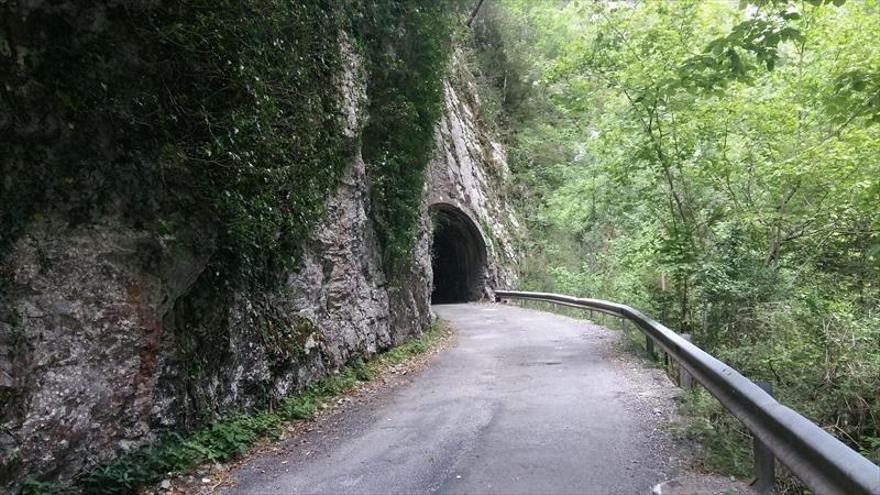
[[458, 257]]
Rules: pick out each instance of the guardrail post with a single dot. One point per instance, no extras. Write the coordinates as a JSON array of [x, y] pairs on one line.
[[765, 463], [685, 380], [649, 347]]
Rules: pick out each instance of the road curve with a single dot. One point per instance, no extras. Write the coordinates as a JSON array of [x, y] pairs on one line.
[[525, 402]]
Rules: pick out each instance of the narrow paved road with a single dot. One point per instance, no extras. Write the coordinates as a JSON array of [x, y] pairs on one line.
[[524, 402]]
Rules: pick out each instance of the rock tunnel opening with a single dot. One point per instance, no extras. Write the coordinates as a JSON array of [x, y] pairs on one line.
[[458, 257]]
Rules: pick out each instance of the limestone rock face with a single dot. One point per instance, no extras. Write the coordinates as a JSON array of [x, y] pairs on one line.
[[81, 317], [109, 334], [469, 172]]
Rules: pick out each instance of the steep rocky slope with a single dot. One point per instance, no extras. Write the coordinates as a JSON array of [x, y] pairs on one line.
[[112, 333], [469, 171]]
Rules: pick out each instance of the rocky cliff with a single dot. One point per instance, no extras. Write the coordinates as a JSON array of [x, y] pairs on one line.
[[469, 172], [111, 333]]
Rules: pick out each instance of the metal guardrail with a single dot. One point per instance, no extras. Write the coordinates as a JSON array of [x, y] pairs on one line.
[[823, 463]]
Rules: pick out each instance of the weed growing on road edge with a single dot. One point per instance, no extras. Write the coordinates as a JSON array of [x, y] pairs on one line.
[[725, 441], [234, 435], [726, 444]]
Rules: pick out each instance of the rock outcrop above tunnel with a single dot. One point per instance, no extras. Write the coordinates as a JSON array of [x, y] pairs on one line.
[[469, 173], [111, 334]]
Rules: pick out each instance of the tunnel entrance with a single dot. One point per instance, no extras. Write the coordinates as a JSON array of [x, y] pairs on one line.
[[458, 257]]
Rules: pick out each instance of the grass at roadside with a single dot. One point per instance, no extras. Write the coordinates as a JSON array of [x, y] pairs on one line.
[[234, 435], [726, 444]]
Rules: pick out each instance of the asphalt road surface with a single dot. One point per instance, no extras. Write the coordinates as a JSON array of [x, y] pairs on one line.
[[524, 402]]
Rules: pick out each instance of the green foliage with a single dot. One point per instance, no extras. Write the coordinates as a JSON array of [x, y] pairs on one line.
[[224, 114], [728, 57], [727, 443], [407, 46], [169, 113], [857, 95], [716, 166]]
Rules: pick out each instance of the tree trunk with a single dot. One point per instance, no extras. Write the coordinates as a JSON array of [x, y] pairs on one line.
[[474, 12]]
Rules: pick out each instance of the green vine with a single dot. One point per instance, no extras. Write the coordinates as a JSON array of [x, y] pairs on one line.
[[171, 113], [408, 46]]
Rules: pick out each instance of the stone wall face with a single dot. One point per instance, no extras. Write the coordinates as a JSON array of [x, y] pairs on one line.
[[83, 319], [91, 318], [469, 171]]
